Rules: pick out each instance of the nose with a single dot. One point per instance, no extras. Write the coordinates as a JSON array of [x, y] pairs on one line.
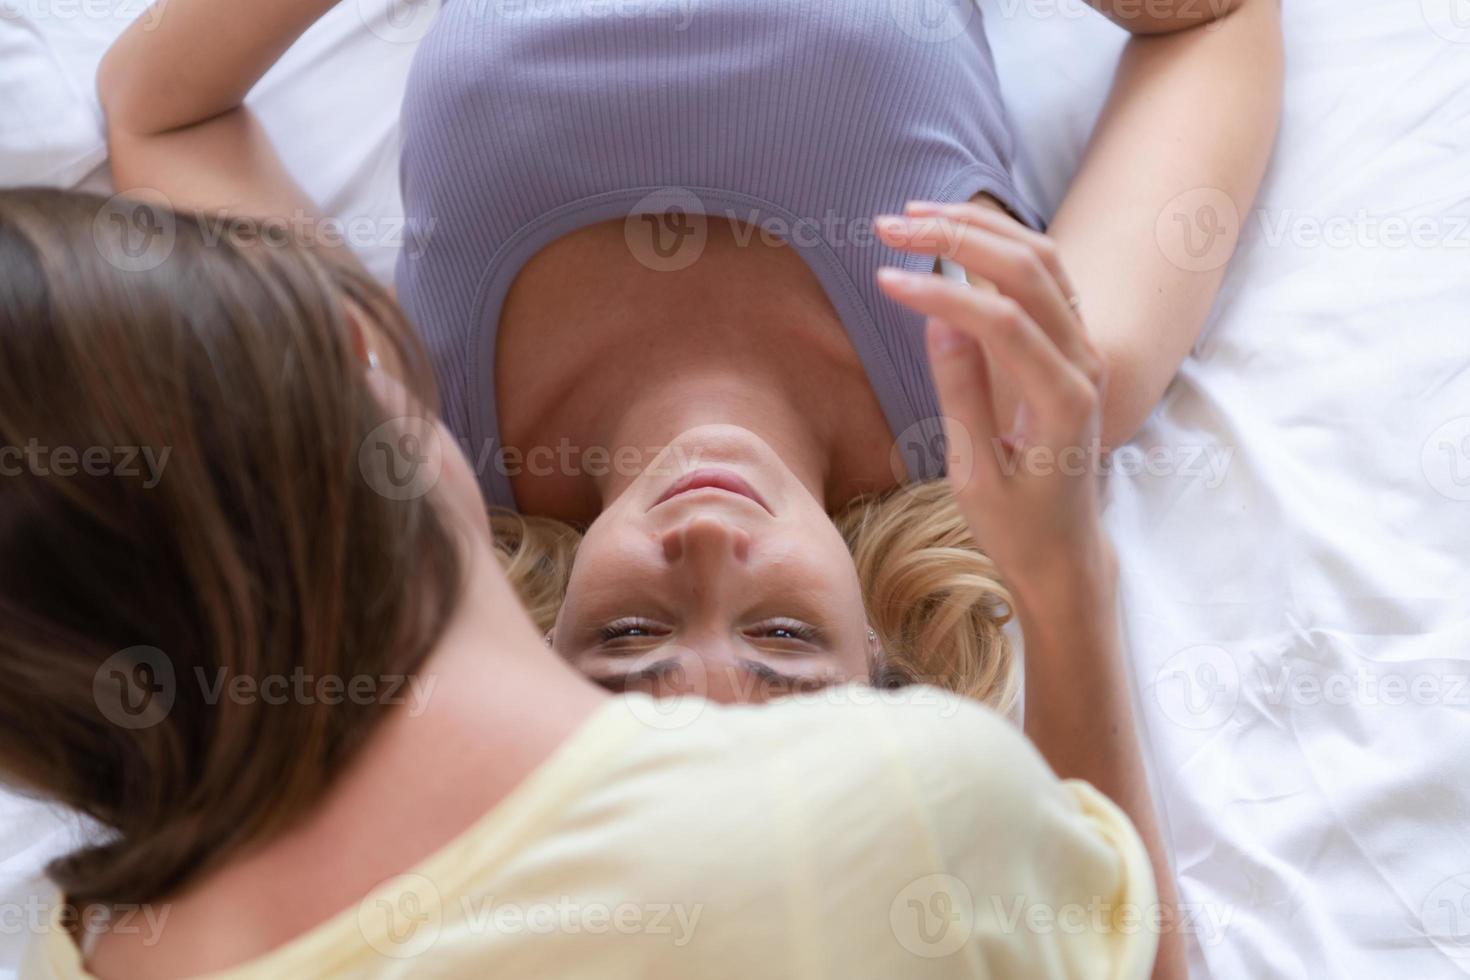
[[706, 543]]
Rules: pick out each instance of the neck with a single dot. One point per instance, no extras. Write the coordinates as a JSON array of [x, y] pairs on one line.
[[497, 685], [489, 705], [631, 357], [495, 703]]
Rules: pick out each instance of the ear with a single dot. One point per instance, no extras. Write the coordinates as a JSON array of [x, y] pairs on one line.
[[875, 646], [362, 346]]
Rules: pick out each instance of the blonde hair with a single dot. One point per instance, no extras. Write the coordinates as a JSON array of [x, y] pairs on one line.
[[934, 599], [537, 553]]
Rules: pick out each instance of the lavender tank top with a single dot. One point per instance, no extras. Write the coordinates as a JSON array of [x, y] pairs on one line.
[[526, 120]]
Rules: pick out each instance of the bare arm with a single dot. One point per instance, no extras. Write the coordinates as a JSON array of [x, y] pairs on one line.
[[1078, 708], [1031, 500], [1154, 17], [173, 87], [1189, 125], [185, 61]]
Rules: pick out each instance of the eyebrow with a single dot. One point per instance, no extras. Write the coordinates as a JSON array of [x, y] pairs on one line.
[[618, 683]]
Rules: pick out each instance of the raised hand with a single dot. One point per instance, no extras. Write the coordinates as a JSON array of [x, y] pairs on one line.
[[1026, 486]]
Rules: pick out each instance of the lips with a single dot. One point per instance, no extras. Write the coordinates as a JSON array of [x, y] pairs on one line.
[[713, 479]]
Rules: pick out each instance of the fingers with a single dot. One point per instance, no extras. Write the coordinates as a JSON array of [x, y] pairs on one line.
[[962, 379], [999, 223], [1063, 400], [1022, 264]]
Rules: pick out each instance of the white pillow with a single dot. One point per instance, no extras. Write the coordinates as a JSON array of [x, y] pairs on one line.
[[49, 134]]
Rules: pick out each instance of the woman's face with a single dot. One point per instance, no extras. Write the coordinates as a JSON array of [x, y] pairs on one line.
[[716, 573]]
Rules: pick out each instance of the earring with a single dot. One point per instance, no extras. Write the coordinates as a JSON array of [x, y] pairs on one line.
[[546, 639], [872, 635]]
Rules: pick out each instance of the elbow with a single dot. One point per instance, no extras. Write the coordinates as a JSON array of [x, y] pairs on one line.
[[121, 85], [1128, 399], [112, 88], [1118, 427], [1145, 18]]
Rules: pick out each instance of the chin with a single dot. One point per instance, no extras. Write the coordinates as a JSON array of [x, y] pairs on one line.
[[722, 443]]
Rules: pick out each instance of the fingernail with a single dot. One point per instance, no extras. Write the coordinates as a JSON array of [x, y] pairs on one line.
[[943, 338], [891, 223], [922, 207]]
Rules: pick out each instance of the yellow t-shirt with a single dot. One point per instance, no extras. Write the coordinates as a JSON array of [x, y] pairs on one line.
[[855, 833]]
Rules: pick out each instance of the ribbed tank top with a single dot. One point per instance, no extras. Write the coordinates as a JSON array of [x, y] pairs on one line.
[[526, 120]]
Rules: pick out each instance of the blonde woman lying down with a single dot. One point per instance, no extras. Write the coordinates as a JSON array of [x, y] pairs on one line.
[[639, 238], [640, 231]]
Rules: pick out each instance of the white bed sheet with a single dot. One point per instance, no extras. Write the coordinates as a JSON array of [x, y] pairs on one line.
[[1300, 628], [1297, 571]]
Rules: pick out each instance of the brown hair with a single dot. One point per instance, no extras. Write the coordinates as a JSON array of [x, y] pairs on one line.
[[258, 548]]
